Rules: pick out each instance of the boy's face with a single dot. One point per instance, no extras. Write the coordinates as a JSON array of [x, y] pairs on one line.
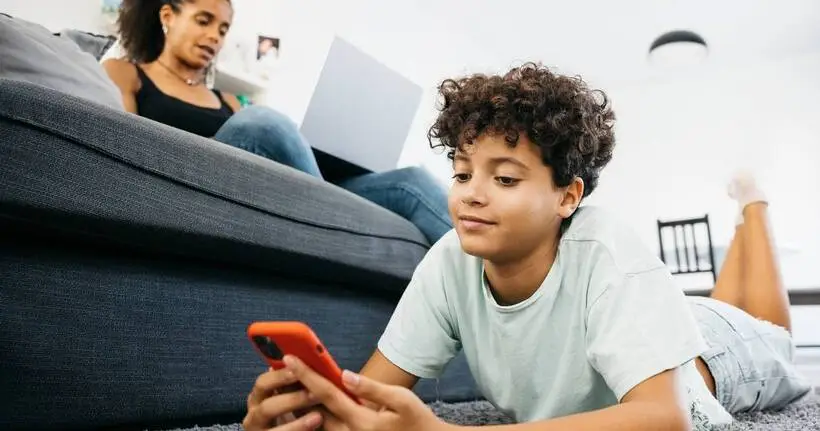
[[503, 201]]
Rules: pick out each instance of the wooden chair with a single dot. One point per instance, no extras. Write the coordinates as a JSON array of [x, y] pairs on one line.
[[687, 258]]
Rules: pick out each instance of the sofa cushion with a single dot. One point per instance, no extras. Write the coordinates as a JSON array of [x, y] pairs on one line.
[[97, 173], [30, 53]]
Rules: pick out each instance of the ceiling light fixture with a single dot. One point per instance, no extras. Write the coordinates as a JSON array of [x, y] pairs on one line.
[[678, 48]]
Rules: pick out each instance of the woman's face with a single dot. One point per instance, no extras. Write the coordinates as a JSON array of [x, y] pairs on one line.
[[196, 33]]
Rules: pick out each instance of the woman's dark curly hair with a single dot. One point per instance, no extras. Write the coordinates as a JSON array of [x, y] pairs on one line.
[[141, 33], [570, 123]]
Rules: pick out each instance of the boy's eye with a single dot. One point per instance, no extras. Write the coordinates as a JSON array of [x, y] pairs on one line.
[[461, 177], [507, 181]]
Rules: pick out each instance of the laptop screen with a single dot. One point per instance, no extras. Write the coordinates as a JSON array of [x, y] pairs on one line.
[[361, 110]]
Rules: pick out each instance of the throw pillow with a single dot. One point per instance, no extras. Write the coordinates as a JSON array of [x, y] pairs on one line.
[[29, 52], [95, 44]]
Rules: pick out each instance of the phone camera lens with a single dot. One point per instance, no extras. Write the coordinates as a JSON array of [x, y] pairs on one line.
[[268, 347]]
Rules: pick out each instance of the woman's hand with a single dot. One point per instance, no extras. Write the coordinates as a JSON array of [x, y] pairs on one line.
[[273, 402], [402, 410]]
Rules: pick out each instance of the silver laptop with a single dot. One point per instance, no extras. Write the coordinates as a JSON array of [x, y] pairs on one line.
[[361, 110]]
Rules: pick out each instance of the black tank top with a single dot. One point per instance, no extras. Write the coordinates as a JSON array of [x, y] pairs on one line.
[[154, 104]]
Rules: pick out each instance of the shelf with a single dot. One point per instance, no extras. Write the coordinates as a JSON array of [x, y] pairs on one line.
[[239, 83]]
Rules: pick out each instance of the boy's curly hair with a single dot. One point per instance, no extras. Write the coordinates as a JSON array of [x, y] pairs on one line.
[[570, 123]]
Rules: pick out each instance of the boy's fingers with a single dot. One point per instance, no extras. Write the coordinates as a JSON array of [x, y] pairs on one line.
[[283, 404], [395, 398], [333, 398], [310, 421], [331, 423], [268, 383]]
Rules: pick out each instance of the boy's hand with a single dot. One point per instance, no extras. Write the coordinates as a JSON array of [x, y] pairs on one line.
[[273, 401], [402, 410]]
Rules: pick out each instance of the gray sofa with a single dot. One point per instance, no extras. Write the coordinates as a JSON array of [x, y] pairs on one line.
[[133, 257]]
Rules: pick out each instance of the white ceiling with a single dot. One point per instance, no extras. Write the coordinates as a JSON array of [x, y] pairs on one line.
[[605, 40], [612, 37]]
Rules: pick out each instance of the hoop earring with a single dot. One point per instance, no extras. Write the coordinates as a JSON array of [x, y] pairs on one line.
[[210, 75]]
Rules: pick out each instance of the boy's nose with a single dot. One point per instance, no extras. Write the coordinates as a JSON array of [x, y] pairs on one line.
[[474, 197]]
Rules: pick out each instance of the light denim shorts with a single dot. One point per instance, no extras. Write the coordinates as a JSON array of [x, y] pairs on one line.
[[751, 360]]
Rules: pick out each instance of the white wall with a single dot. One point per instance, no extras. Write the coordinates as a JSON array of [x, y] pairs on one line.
[[680, 139], [398, 34]]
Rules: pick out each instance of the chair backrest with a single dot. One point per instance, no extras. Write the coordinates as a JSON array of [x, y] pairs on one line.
[[691, 253]]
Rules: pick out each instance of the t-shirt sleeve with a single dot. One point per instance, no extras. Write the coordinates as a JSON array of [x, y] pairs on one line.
[[640, 327], [420, 337]]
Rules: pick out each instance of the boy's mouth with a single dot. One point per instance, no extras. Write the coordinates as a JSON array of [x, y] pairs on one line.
[[474, 223]]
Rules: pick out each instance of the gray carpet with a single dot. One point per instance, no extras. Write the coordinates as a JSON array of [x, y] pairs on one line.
[[801, 416]]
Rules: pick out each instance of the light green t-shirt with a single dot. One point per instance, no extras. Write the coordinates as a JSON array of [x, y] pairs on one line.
[[607, 317]]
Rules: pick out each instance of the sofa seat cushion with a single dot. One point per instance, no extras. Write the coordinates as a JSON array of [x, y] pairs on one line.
[[86, 170]]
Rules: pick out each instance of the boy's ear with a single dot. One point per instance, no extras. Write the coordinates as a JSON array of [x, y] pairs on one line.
[[572, 198]]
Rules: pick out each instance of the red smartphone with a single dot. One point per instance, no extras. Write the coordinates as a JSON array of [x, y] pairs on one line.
[[274, 340]]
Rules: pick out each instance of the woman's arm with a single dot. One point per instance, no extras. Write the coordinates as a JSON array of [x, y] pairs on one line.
[[124, 76]]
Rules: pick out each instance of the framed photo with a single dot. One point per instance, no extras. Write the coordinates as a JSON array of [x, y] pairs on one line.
[[267, 55], [267, 48]]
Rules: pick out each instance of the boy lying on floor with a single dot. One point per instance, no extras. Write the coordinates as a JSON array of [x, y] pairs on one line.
[[566, 319]]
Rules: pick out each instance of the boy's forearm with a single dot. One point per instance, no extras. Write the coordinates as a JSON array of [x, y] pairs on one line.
[[632, 416]]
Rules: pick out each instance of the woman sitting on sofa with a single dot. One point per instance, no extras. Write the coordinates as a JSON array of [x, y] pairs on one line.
[[170, 46]]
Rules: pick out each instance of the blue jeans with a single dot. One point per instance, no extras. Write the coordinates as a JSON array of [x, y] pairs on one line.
[[409, 192]]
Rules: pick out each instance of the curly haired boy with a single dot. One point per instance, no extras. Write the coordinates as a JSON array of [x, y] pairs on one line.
[[567, 320]]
